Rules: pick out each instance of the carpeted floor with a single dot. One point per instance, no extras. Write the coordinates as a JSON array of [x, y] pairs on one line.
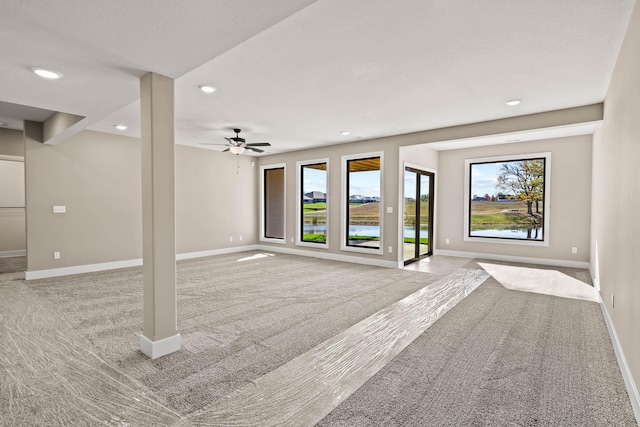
[[238, 319], [500, 357]]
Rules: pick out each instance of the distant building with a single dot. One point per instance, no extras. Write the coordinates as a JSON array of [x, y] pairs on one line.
[[315, 197]]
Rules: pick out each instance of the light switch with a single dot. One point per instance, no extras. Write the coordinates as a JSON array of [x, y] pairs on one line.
[[59, 209], [389, 209]]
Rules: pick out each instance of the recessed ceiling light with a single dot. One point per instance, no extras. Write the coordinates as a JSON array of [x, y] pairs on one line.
[[47, 74], [345, 133], [207, 89], [513, 102], [120, 127]]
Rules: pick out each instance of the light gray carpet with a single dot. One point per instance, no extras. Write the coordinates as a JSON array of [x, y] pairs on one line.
[[500, 357], [238, 320]]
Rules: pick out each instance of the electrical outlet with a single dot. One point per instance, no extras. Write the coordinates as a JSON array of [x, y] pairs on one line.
[[574, 250], [390, 249], [56, 255], [292, 240], [59, 209], [231, 238], [389, 209], [446, 241], [240, 238]]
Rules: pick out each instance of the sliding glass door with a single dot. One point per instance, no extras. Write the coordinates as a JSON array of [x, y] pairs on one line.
[[418, 214]]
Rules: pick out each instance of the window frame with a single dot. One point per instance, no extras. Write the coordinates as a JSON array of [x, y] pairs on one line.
[[344, 204], [263, 238], [299, 210], [546, 199]]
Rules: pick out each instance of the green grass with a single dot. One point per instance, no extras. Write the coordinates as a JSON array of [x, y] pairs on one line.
[[318, 238], [503, 213], [423, 240], [370, 238]]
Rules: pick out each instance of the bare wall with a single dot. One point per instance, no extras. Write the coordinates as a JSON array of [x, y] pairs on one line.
[[97, 177], [570, 199], [615, 236], [216, 199]]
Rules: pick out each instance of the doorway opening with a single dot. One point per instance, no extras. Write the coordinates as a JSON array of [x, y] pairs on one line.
[[418, 214]]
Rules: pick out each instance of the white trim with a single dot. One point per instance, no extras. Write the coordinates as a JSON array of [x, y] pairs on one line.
[[156, 349], [344, 205], [80, 269], [510, 258], [632, 389], [547, 199], [331, 256], [282, 241], [90, 268], [11, 158], [299, 165], [11, 254], [213, 252]]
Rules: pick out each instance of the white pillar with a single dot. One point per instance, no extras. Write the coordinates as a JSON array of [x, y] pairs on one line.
[[160, 335]]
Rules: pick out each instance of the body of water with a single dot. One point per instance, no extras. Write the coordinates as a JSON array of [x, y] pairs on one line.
[[515, 232], [363, 230]]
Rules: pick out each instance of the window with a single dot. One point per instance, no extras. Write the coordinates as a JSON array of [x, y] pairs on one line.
[[362, 228], [273, 214], [313, 203], [507, 199]]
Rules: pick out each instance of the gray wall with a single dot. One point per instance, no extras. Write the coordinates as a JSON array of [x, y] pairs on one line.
[[615, 239], [97, 177], [570, 199], [11, 142], [215, 200]]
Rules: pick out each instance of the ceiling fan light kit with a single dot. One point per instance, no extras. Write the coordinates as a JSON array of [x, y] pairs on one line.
[[238, 145]]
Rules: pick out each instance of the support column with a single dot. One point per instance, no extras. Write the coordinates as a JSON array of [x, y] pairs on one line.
[[160, 335]]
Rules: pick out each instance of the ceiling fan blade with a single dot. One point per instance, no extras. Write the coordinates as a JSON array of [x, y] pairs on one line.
[[225, 150], [257, 150], [231, 141], [259, 144], [211, 143]]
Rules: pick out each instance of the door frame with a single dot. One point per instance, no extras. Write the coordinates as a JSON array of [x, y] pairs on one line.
[[432, 202]]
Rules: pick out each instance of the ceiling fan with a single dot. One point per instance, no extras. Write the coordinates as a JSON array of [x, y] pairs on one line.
[[238, 145]]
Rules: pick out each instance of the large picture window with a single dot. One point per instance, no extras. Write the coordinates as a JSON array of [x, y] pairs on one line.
[[363, 227], [273, 203], [507, 198], [313, 203]]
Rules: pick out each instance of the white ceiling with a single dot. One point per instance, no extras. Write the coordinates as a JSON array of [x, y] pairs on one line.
[[297, 73]]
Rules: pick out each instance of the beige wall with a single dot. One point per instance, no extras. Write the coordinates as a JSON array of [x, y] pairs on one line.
[[97, 176], [570, 199], [615, 242], [11, 142], [215, 200], [12, 213]]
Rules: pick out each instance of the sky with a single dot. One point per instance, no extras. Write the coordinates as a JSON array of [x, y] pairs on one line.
[[361, 183], [315, 180], [483, 179]]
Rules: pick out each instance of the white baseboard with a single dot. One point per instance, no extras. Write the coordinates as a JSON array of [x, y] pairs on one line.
[[155, 349], [632, 389], [202, 254], [331, 256], [11, 254], [80, 269], [90, 268], [509, 258]]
